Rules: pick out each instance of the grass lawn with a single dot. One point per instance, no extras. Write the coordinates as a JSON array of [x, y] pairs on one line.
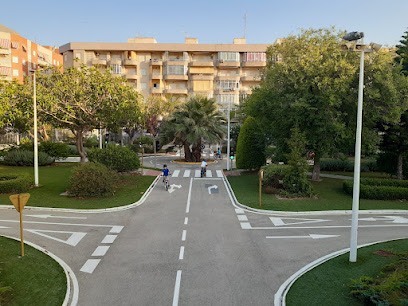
[[35, 279], [329, 191], [328, 284], [54, 181]]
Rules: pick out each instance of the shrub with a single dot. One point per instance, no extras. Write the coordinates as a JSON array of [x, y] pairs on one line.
[[10, 183], [147, 143], [251, 145], [26, 158], [379, 189], [54, 149], [274, 173], [72, 150], [115, 157], [92, 180], [91, 142], [347, 165]]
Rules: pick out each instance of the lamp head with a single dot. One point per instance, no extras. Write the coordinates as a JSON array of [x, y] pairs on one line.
[[375, 47], [352, 36]]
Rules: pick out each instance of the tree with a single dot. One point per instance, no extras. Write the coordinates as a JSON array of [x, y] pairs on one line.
[[402, 51], [251, 145], [192, 122], [82, 99], [310, 82]]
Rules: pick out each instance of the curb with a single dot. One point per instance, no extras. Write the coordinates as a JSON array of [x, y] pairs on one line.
[[90, 211], [70, 275], [237, 204], [280, 295]]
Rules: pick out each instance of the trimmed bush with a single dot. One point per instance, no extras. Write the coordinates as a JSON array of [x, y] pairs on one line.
[[92, 180], [26, 158], [56, 150], [72, 150], [147, 143], [115, 157], [379, 189], [251, 145], [13, 183], [91, 142], [347, 165], [274, 173]]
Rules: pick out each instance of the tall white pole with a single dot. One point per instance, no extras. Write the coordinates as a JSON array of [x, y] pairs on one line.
[[36, 181], [356, 186], [228, 141], [100, 138]]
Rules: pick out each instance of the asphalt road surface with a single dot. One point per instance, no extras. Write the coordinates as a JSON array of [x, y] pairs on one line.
[[190, 245]]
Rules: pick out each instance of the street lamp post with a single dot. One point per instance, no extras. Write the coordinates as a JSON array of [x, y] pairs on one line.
[[36, 180], [353, 46], [228, 140]]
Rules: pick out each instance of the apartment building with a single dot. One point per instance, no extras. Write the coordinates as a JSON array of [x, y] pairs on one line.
[[221, 71], [19, 55]]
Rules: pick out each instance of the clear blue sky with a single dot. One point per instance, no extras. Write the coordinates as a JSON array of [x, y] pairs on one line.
[[59, 22]]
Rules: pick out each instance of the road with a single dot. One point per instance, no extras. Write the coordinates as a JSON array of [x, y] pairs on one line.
[[191, 246]]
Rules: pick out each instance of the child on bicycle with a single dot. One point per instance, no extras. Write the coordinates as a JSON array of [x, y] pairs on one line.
[[203, 167], [165, 174]]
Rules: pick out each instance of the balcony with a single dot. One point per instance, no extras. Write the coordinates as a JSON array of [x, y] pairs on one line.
[[5, 51], [100, 62], [222, 63], [157, 90], [177, 62], [231, 91], [177, 91], [115, 62], [201, 77], [132, 76], [250, 78], [226, 77], [254, 64], [246, 91], [156, 62], [156, 76], [131, 62], [180, 77], [201, 64]]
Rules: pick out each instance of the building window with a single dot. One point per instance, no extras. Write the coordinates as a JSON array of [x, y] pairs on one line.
[[15, 72], [34, 65], [116, 69], [143, 72], [57, 63], [177, 70], [33, 53], [226, 99], [54, 62], [142, 58], [24, 62], [228, 85], [143, 85], [228, 56], [15, 59], [255, 57]]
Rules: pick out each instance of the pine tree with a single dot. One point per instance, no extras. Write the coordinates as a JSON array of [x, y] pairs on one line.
[[402, 51]]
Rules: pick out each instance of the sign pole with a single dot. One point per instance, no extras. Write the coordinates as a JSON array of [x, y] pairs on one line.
[[260, 187], [19, 201], [21, 227], [142, 158]]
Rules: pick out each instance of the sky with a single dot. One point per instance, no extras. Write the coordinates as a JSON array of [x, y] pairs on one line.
[[56, 23]]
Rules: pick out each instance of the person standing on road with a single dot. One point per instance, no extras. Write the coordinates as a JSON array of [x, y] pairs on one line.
[[165, 174]]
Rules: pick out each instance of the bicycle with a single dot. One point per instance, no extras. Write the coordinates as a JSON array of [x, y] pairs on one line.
[[166, 183], [203, 171], [218, 156]]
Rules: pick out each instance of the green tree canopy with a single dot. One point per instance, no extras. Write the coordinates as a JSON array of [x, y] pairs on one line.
[[402, 51], [191, 123]]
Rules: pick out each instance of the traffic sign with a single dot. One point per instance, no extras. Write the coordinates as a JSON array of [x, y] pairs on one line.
[[202, 147], [19, 200]]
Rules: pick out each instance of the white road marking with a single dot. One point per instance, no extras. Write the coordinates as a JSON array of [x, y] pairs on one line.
[[185, 220], [181, 256], [189, 196], [113, 227], [242, 218], [239, 211], [197, 173], [175, 173], [172, 186], [73, 239], [90, 265], [109, 238], [186, 173], [219, 173], [280, 222], [209, 173], [183, 236], [328, 226], [116, 229], [177, 288], [4, 227], [51, 216], [246, 225], [313, 236], [212, 187], [397, 219], [101, 250]]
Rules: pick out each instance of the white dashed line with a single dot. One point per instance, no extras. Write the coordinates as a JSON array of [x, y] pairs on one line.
[[239, 211], [175, 173], [90, 265], [189, 196], [177, 288], [109, 239], [186, 173], [116, 229], [242, 218], [100, 250], [197, 173], [209, 173], [183, 236], [219, 173], [246, 225], [185, 220], [181, 256]]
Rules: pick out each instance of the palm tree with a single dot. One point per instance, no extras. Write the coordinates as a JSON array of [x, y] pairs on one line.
[[195, 121]]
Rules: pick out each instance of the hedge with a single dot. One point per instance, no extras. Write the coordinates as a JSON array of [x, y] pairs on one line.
[[379, 189], [12, 183], [118, 158], [26, 158], [346, 165]]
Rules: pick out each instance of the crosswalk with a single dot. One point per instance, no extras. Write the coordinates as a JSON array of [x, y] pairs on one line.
[[196, 173]]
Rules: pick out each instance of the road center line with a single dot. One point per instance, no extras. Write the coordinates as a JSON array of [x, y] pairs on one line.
[[90, 265], [100, 250], [183, 236], [177, 288], [188, 198], [181, 256], [109, 238], [185, 220]]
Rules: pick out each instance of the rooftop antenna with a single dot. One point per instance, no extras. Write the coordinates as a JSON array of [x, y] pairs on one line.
[[245, 28]]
